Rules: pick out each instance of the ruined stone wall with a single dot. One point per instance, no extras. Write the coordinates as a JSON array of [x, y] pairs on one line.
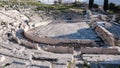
[[106, 36], [59, 49], [64, 42], [88, 50]]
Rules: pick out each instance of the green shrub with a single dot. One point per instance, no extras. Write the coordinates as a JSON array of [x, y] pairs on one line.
[[110, 12], [112, 6]]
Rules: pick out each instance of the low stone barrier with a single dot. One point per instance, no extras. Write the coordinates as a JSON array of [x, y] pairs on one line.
[[88, 50], [60, 49], [63, 42]]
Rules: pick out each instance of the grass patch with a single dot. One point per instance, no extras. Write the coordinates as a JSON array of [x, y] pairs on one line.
[[20, 2], [62, 8], [69, 65], [38, 6]]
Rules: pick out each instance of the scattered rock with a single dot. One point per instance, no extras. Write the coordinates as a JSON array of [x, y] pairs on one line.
[[2, 58]]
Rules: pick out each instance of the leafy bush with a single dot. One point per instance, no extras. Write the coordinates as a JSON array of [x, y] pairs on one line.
[[112, 6], [117, 8], [110, 12]]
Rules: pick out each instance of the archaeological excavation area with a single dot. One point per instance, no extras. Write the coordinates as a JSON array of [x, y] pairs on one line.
[[30, 39]]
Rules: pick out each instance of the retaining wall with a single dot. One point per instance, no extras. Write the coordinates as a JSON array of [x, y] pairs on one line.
[[91, 50], [60, 49], [64, 42]]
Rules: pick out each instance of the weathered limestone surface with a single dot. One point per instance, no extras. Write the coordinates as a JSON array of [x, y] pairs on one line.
[[2, 58], [88, 50], [107, 37], [59, 49], [64, 42], [18, 56], [13, 55], [15, 49], [100, 57], [80, 33], [13, 16]]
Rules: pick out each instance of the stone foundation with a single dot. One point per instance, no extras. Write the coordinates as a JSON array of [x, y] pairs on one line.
[[63, 42], [99, 51]]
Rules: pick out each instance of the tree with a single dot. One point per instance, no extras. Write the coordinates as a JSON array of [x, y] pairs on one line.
[[117, 8], [112, 6], [91, 3], [105, 7]]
